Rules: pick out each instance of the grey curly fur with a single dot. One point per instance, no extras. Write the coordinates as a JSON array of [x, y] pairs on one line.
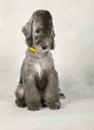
[[38, 85]]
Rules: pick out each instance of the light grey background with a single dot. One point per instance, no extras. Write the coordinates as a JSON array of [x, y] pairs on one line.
[[74, 53]]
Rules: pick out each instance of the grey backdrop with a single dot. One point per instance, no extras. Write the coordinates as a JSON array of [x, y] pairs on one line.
[[74, 53]]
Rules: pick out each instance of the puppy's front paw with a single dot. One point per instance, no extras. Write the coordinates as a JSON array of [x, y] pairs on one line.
[[20, 103], [54, 105], [33, 107]]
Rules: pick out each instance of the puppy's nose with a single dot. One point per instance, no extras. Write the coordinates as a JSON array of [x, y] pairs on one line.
[[44, 47]]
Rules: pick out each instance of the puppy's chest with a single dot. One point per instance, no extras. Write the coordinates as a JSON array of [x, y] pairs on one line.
[[41, 67], [41, 77], [38, 69]]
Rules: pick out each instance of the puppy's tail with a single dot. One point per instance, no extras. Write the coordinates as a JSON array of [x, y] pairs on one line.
[[61, 96]]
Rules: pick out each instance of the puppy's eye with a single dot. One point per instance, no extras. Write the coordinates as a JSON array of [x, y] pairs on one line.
[[37, 31]]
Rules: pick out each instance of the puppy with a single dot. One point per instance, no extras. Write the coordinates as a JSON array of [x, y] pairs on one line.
[[38, 85]]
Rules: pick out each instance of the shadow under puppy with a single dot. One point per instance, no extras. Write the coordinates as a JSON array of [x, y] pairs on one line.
[[38, 83]]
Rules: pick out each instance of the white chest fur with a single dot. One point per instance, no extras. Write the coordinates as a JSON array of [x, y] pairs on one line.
[[38, 69]]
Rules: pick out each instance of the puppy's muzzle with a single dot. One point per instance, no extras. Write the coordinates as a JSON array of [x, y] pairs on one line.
[[46, 43]]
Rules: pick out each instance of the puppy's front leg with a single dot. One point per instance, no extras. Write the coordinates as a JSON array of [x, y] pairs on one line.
[[52, 91], [32, 96]]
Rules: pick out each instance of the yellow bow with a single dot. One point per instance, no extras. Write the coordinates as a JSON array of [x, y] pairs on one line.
[[33, 49]]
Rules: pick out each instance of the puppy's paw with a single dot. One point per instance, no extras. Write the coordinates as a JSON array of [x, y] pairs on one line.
[[20, 103], [54, 105], [33, 107]]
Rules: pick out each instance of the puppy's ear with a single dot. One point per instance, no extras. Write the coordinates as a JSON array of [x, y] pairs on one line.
[[27, 31], [53, 36]]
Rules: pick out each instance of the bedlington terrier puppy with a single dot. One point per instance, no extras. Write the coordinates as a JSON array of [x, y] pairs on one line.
[[38, 85]]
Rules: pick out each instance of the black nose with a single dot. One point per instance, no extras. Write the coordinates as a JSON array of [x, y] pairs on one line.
[[44, 47]]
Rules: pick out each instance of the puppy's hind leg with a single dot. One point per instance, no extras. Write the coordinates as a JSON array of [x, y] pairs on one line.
[[20, 98]]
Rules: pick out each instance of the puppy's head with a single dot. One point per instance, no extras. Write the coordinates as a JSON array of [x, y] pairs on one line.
[[39, 31]]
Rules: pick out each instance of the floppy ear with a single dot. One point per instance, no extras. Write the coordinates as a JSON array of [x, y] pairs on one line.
[[53, 36], [27, 31]]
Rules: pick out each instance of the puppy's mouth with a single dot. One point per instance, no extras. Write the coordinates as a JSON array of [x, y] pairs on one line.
[[43, 49]]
